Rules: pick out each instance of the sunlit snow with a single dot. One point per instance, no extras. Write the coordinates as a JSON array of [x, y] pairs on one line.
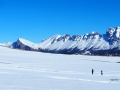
[[25, 70]]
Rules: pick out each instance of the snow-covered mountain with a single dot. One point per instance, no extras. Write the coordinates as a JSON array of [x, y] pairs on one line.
[[25, 45], [6, 44], [93, 43]]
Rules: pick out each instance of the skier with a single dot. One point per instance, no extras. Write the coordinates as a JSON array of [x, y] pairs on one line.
[[92, 71], [101, 72]]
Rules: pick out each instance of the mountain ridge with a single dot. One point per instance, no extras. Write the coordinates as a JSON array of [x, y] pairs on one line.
[[93, 43]]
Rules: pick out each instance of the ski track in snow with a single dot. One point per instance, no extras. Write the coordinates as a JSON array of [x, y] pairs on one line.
[[78, 79]]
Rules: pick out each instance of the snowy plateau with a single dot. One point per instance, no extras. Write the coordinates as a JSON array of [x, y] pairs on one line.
[[93, 43], [25, 70]]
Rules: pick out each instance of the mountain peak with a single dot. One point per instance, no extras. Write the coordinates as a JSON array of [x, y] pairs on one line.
[[25, 44], [113, 33]]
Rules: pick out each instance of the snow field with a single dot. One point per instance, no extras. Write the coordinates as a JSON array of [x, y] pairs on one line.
[[24, 70]]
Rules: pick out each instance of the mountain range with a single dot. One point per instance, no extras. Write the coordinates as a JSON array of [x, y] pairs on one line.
[[93, 43]]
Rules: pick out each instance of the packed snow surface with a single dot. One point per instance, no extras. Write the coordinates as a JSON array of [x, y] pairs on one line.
[[25, 70]]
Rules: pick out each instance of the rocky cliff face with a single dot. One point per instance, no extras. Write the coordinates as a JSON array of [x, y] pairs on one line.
[[93, 43]]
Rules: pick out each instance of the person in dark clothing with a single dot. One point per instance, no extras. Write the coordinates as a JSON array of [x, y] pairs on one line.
[[92, 71], [101, 72]]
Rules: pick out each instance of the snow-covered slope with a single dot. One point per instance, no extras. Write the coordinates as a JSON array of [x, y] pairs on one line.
[[25, 44], [93, 43]]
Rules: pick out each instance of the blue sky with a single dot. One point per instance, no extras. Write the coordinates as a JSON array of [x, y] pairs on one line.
[[35, 20]]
